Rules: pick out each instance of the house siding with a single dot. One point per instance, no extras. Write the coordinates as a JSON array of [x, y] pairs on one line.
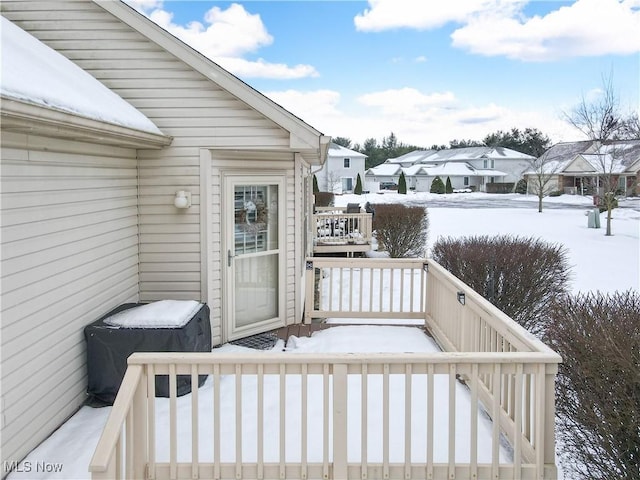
[[119, 238], [181, 102], [69, 254]]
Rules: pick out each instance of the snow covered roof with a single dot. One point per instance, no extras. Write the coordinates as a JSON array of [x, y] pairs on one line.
[[414, 170], [460, 169], [444, 169], [458, 155], [36, 74], [385, 169], [610, 157], [474, 153], [417, 156], [336, 150]]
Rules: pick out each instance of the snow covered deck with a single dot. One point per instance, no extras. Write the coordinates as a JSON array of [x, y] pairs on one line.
[[337, 231], [314, 411]]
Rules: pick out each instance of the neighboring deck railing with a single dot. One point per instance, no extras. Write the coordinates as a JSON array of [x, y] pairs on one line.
[[507, 372], [365, 288], [338, 231]]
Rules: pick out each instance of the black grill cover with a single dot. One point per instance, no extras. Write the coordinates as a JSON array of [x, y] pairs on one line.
[[108, 349]]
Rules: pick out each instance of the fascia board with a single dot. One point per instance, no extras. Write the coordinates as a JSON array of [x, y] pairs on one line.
[[28, 118], [302, 131]]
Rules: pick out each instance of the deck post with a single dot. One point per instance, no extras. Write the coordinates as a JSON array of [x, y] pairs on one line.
[[140, 439], [309, 296], [550, 468], [340, 471]]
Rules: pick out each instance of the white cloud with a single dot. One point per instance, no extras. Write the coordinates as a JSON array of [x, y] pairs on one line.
[[145, 5], [437, 118], [390, 14], [230, 32], [406, 101], [318, 103], [262, 69], [226, 36], [585, 28], [499, 27]]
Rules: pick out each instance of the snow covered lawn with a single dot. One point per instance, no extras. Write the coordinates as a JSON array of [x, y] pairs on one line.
[[598, 262]]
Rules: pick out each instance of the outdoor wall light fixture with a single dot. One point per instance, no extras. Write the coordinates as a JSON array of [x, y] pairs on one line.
[[182, 199], [461, 297]]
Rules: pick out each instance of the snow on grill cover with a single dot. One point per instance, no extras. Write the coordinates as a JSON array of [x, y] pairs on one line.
[[108, 348]]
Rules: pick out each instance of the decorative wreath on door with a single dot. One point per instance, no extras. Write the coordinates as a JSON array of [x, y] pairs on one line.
[[253, 217]]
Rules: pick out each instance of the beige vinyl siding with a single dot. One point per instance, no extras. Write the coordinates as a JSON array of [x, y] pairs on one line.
[[181, 102], [69, 254]]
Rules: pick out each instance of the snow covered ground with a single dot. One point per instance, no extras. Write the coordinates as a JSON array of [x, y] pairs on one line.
[[598, 263]]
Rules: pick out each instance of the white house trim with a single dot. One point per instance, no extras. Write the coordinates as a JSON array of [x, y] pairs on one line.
[[303, 136], [24, 117]]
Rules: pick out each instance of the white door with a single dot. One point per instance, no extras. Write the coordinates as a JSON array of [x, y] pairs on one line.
[[254, 209]]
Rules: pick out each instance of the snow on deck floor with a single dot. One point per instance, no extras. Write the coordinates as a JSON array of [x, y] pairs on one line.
[[72, 445]]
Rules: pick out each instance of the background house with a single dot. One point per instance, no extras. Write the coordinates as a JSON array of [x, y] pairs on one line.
[[88, 215], [340, 171], [471, 167], [579, 167]]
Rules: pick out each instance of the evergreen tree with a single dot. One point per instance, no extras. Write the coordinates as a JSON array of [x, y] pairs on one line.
[[402, 184], [342, 141], [448, 188], [465, 143], [358, 189], [530, 141], [316, 189], [521, 186], [375, 155], [437, 186]]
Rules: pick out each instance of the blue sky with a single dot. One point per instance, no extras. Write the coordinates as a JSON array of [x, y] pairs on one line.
[[429, 71]]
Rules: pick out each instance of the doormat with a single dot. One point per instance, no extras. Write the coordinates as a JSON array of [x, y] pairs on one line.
[[261, 341]]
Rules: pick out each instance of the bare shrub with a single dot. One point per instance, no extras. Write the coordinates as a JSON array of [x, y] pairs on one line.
[[598, 383], [324, 199], [520, 276], [401, 230]]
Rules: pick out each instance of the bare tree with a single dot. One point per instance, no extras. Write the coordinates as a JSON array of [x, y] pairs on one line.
[[334, 183], [543, 176], [631, 127], [602, 121]]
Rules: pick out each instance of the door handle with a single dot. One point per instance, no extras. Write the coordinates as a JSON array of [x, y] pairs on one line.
[[229, 257]]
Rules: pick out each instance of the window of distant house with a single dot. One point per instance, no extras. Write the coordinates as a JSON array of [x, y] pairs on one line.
[[622, 183], [466, 181], [485, 164], [347, 163], [492, 179]]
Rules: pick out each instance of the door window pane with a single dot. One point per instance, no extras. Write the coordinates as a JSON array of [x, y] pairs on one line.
[[256, 219], [256, 289]]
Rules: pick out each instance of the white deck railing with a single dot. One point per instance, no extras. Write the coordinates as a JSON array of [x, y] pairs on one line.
[[262, 416], [336, 230]]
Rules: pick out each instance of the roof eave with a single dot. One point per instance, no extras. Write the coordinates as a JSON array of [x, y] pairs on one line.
[[302, 135], [24, 117]]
